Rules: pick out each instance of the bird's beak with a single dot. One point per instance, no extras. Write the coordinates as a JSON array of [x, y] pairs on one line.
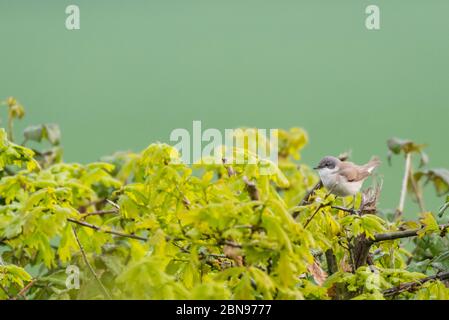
[[315, 168]]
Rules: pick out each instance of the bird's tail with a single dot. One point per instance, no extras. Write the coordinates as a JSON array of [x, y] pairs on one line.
[[372, 164]]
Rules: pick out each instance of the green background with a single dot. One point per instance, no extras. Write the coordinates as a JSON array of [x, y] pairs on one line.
[[138, 69]]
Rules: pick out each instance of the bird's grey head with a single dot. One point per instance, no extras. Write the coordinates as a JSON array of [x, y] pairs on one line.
[[328, 162]]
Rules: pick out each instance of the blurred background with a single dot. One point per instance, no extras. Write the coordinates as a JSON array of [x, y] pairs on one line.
[[139, 69]]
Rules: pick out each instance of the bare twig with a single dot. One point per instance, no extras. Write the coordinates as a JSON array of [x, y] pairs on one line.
[[24, 290], [117, 233], [112, 203], [101, 212], [305, 200], [408, 162], [103, 288], [322, 205]]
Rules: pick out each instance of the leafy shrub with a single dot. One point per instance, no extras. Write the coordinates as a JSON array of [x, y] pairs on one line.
[[145, 226]]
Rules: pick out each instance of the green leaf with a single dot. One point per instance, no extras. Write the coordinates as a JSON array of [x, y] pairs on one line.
[[49, 131]]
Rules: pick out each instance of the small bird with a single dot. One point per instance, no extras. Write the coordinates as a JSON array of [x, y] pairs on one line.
[[343, 178]]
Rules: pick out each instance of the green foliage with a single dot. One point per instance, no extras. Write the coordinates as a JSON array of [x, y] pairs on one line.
[[151, 227]]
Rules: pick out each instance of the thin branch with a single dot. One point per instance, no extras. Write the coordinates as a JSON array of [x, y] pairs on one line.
[[103, 288], [24, 290], [352, 211], [117, 233], [322, 205], [101, 212], [410, 286], [395, 235], [305, 200], [115, 205]]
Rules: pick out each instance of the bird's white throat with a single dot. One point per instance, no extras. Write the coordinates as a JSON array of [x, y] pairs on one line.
[[328, 177]]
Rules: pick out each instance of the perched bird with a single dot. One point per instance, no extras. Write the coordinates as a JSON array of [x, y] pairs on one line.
[[343, 178]]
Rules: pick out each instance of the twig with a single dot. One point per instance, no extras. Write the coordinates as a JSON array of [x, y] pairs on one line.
[[113, 204], [103, 288], [305, 200], [400, 209], [117, 233], [101, 212], [352, 211], [395, 235], [25, 289], [409, 286], [322, 205]]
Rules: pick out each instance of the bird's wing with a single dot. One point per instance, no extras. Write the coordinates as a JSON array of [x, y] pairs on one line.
[[352, 173]]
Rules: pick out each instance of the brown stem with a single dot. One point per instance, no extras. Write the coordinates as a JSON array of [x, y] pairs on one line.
[[352, 211]]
